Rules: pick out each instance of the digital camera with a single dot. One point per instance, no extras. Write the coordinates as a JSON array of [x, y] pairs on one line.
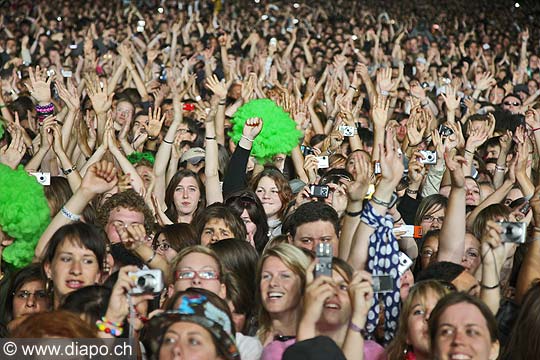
[[514, 232], [147, 281]]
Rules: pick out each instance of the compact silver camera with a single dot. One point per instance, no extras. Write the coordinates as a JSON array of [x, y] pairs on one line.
[[346, 130], [514, 232], [147, 281], [44, 178], [430, 157]]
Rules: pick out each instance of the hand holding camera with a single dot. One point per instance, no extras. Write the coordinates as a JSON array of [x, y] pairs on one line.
[[118, 308]]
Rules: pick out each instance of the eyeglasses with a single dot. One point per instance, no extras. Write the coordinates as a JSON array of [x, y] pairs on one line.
[[183, 131], [163, 246], [192, 274], [430, 219], [25, 294], [510, 103]]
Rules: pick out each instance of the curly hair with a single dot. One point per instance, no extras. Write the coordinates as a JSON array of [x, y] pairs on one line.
[[24, 214], [128, 199]]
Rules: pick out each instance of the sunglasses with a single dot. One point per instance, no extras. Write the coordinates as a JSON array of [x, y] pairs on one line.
[[510, 103]]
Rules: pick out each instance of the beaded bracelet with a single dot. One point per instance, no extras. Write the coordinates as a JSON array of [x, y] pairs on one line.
[[109, 327], [45, 108]]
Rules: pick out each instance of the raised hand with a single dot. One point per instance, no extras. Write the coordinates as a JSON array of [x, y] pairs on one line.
[[69, 95], [451, 99], [415, 127], [100, 177], [252, 128], [219, 88], [40, 85], [384, 81], [12, 154], [357, 189], [155, 122], [391, 161], [484, 81], [98, 93], [380, 112], [454, 163], [361, 294]]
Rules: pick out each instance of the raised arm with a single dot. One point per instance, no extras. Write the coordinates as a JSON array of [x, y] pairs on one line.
[[101, 177], [452, 236]]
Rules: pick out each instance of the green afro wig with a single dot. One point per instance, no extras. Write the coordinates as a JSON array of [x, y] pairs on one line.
[[279, 134], [24, 214], [135, 157]]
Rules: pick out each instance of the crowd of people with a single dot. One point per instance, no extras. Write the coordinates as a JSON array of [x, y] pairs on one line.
[[222, 179]]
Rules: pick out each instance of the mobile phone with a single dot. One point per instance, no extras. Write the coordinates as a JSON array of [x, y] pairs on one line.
[[323, 162], [405, 263], [319, 191], [273, 41], [323, 252], [377, 168], [188, 107], [410, 231], [382, 283], [67, 73]]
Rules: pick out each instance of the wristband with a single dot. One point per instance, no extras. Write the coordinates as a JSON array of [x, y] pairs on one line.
[[500, 168], [69, 215], [411, 192], [69, 171], [377, 201], [357, 329], [151, 258], [2, 106], [534, 130], [470, 152], [489, 287], [151, 138], [248, 139], [352, 87], [222, 103], [168, 142], [353, 214], [211, 138]]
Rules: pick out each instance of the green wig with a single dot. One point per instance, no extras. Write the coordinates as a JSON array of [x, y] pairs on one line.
[[279, 134], [135, 157], [24, 214]]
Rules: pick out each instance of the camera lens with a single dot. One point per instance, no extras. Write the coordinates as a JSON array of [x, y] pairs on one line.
[[146, 282]]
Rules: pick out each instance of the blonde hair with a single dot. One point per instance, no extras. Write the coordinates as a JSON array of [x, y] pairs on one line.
[[294, 259], [195, 249], [398, 346]]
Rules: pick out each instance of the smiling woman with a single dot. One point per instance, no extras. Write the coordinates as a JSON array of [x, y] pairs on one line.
[[281, 278], [462, 327], [74, 259]]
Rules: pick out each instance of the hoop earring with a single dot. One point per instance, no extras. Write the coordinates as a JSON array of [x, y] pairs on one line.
[[49, 286]]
